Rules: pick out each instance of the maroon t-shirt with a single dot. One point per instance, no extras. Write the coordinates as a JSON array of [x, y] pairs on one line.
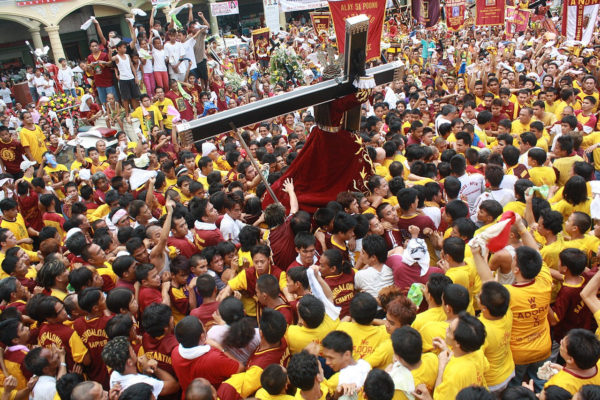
[[571, 311], [405, 275], [183, 106], [204, 313], [11, 154], [422, 221], [281, 241], [28, 204], [103, 76]]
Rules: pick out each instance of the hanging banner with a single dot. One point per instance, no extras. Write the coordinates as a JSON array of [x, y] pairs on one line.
[[374, 9], [455, 14], [36, 2], [271, 8], [320, 22], [516, 21], [489, 12], [426, 12], [224, 8], [579, 19], [301, 5], [260, 41]]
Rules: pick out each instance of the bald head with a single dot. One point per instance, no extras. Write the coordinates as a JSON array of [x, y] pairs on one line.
[[200, 389], [88, 390]]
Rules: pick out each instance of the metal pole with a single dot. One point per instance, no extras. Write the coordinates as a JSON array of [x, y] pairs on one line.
[[253, 161]]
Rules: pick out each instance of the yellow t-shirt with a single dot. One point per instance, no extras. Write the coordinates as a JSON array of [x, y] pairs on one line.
[[518, 127], [462, 372], [572, 382], [432, 330], [365, 338], [426, 374], [382, 356], [298, 337], [517, 207], [530, 336], [434, 314], [460, 276], [550, 257], [151, 118], [18, 228], [497, 349], [262, 394], [542, 176], [564, 165], [35, 140], [588, 244], [162, 106], [588, 140], [566, 208], [597, 318]]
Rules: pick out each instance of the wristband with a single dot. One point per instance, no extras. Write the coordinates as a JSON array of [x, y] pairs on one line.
[[62, 364]]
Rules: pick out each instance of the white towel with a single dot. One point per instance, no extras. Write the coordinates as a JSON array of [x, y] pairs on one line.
[[403, 380], [193, 352], [316, 289]]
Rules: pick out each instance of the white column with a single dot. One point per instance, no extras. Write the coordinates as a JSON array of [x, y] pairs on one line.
[[282, 21], [55, 43], [36, 38]]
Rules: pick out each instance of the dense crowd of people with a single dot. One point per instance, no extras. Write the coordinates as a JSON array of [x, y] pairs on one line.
[[149, 269]]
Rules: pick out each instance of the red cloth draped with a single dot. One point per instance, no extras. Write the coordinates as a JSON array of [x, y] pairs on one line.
[[328, 163]]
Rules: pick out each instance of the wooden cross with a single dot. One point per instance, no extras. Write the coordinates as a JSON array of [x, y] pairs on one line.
[[323, 92]]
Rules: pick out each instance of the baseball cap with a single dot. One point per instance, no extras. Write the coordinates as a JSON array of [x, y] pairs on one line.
[[26, 164]]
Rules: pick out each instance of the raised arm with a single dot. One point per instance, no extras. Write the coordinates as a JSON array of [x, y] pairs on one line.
[[100, 34], [164, 234], [288, 187], [483, 269], [590, 292]]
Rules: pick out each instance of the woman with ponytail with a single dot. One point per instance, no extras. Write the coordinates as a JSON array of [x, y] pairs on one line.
[[235, 332], [339, 275]]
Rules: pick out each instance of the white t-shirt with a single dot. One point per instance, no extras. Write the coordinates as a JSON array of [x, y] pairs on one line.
[[435, 213], [39, 83], [131, 379], [45, 388], [188, 47], [471, 186], [218, 333], [174, 52], [65, 77], [372, 281], [230, 228], [29, 76], [158, 57], [5, 94], [50, 90]]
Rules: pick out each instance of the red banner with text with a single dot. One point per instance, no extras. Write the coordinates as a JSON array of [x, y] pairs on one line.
[[374, 9], [490, 12], [455, 14], [517, 20]]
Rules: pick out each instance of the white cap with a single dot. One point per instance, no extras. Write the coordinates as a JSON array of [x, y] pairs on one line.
[[207, 148], [73, 231], [26, 164]]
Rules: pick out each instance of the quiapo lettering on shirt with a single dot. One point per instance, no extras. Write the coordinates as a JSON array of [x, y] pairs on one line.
[[94, 338]]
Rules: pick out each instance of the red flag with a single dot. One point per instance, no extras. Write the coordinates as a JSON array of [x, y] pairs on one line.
[[455, 14], [374, 9], [427, 12], [490, 12]]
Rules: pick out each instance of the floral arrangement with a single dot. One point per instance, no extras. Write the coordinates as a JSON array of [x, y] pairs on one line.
[[59, 101], [233, 79], [285, 66]]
